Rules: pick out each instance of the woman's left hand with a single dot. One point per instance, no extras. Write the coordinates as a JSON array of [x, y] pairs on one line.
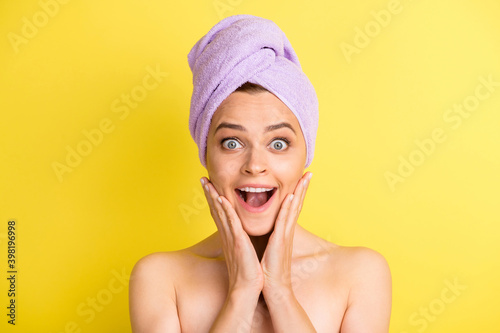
[[277, 259]]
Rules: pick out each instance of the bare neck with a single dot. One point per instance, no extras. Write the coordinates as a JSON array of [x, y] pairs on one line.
[[212, 246], [260, 243]]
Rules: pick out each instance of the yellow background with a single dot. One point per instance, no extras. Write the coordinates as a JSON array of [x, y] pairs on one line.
[[137, 191]]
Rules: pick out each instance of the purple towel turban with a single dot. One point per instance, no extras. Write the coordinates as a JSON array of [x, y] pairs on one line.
[[243, 48]]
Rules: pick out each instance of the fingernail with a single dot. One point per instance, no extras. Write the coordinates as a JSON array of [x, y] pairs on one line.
[[219, 200], [308, 180], [202, 181], [305, 182], [206, 187], [310, 175], [291, 197]]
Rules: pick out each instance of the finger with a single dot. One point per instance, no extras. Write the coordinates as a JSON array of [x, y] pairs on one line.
[[304, 191], [208, 196], [280, 224], [232, 217], [211, 205], [300, 185], [206, 192], [216, 209], [240, 238], [287, 209], [234, 221], [218, 206], [296, 204]]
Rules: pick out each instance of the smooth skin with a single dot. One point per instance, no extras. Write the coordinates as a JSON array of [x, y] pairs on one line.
[[260, 272], [272, 276]]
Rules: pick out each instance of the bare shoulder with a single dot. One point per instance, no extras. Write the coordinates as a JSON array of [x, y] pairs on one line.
[[359, 261], [350, 260], [156, 282], [368, 276], [156, 262], [151, 261], [156, 268], [162, 270], [152, 295], [160, 265]]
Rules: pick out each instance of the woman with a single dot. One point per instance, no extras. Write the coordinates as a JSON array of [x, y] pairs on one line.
[[254, 118]]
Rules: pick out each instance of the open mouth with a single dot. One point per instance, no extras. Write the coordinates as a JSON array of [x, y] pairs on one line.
[[255, 197]]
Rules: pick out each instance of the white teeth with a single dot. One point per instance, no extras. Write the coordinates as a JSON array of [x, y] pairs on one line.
[[255, 189]]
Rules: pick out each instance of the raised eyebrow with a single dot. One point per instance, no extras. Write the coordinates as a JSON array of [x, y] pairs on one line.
[[243, 129], [229, 125], [278, 126]]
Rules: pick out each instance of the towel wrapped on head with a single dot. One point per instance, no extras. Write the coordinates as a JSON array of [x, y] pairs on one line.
[[247, 48]]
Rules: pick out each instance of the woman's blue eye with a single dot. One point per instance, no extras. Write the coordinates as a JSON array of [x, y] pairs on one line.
[[231, 144], [279, 144]]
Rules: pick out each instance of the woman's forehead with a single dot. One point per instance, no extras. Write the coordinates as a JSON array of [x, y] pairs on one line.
[[262, 109]]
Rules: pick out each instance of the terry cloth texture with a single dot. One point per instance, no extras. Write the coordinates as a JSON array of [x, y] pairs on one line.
[[247, 48]]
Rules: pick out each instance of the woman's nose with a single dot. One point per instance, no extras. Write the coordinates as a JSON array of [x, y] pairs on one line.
[[255, 163]]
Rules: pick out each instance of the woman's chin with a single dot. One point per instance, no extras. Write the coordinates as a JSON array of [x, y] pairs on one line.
[[257, 228]]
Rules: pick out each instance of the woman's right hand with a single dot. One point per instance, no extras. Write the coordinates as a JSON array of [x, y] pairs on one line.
[[244, 269]]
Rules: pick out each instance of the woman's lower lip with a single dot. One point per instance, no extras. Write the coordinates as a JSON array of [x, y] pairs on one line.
[[252, 209]]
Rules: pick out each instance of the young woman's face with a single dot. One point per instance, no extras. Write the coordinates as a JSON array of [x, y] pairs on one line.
[[255, 141]]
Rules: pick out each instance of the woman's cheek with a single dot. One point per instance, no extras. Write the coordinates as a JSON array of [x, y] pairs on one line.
[[285, 168], [221, 180]]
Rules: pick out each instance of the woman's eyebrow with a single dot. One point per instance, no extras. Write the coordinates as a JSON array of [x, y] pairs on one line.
[[280, 125], [241, 128], [228, 125]]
